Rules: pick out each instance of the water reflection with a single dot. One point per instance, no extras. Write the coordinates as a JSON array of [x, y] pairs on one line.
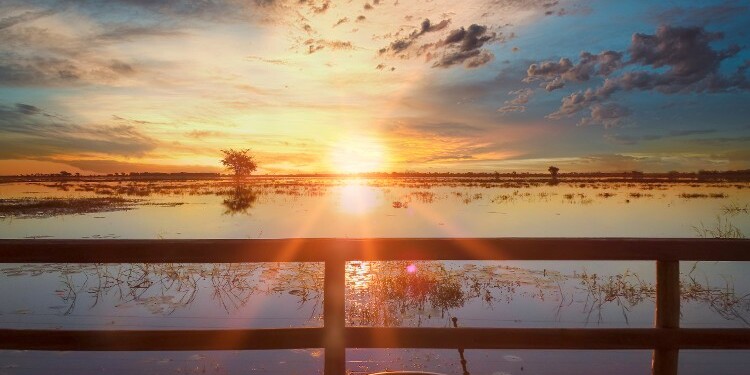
[[355, 198], [389, 207], [378, 293], [239, 200]]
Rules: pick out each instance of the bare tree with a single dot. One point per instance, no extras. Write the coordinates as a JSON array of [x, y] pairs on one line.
[[239, 161]]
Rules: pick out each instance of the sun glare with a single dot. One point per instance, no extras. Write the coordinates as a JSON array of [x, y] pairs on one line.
[[357, 199], [358, 155]]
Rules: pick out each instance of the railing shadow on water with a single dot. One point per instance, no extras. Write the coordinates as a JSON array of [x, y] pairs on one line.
[[374, 312]]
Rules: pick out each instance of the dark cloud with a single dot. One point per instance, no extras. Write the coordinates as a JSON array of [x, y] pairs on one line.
[[469, 39], [27, 109], [673, 60], [121, 67], [464, 46], [692, 64], [607, 115], [341, 21], [121, 33], [472, 59], [400, 45], [574, 103], [555, 74], [37, 71], [25, 17], [33, 56], [28, 132], [59, 71], [428, 27]]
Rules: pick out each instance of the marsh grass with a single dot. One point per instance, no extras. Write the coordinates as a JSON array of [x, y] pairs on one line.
[[734, 208], [721, 228], [378, 293], [37, 208]]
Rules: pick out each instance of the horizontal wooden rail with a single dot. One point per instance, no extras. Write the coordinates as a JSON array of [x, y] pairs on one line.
[[547, 338], [162, 340], [375, 337], [382, 249]]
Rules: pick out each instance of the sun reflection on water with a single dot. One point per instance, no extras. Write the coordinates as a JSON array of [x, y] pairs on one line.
[[358, 199]]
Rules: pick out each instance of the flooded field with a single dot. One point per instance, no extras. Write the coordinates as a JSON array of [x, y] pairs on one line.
[[408, 294], [398, 207]]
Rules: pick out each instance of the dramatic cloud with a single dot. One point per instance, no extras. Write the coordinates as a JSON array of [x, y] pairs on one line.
[[692, 64], [27, 132], [608, 115], [555, 74], [464, 46], [401, 45], [674, 60]]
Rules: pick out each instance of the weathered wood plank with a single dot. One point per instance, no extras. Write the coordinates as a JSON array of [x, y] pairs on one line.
[[666, 361], [377, 337], [158, 340], [320, 249], [334, 316], [547, 338]]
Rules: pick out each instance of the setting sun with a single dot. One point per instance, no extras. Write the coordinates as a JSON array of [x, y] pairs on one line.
[[358, 154]]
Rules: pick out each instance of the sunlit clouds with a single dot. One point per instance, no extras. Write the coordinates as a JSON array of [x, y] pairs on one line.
[[358, 154], [352, 87]]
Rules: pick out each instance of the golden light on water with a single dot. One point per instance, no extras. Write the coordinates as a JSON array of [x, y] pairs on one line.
[[360, 274], [358, 199]]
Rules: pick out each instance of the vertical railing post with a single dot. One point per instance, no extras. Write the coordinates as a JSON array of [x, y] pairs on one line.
[[665, 359], [334, 315]]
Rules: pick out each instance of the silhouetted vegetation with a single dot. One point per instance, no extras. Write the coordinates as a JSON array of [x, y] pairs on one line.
[[239, 200], [553, 171], [29, 207], [240, 162]]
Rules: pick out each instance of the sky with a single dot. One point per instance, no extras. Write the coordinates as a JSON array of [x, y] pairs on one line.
[[361, 86]]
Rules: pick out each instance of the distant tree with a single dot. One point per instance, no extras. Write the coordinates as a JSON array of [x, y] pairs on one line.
[[239, 161], [497, 175], [553, 171], [65, 174]]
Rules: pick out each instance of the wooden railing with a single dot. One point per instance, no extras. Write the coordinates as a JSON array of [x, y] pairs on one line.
[[665, 339]]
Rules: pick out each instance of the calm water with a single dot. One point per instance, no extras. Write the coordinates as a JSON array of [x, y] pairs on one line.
[[423, 294]]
